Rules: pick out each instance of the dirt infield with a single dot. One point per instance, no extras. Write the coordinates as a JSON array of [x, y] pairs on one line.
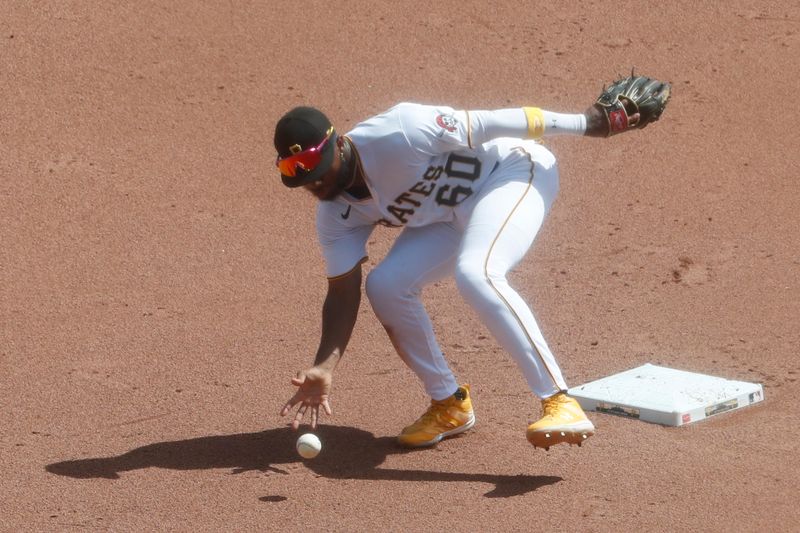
[[159, 286]]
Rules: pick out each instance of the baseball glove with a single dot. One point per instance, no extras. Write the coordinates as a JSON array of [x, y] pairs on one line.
[[627, 97]]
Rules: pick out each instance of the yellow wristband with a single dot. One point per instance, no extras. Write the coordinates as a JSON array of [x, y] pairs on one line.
[[535, 122]]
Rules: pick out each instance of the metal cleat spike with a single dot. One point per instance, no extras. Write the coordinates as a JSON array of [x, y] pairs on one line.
[[563, 434], [579, 444], [547, 435]]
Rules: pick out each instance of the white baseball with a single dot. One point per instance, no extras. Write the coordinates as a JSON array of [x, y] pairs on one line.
[[308, 445]]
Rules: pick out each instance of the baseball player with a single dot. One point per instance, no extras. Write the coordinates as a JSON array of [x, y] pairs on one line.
[[469, 190]]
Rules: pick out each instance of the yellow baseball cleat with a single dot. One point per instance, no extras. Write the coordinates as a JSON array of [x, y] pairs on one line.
[[563, 421], [443, 418]]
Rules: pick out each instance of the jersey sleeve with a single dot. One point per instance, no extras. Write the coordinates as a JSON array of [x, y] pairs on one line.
[[440, 129], [433, 130], [343, 241]]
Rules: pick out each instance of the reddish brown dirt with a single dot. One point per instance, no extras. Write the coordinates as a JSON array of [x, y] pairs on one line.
[[158, 286]]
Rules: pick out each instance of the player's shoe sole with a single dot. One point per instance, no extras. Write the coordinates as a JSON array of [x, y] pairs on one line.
[[576, 433]]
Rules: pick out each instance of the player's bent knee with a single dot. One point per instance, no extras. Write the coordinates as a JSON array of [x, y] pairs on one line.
[[382, 288], [475, 284], [471, 279]]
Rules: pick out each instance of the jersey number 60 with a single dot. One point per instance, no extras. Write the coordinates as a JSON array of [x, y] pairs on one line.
[[462, 167]]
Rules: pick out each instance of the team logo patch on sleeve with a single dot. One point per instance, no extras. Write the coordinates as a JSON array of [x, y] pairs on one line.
[[447, 122]]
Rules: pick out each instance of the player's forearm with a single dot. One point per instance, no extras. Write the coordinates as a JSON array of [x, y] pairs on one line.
[[596, 123], [523, 123], [339, 314]]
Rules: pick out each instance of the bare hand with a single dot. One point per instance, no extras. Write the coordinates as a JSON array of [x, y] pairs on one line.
[[314, 386]]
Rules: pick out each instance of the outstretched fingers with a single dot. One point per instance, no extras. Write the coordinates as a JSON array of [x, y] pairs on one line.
[[291, 403], [310, 395], [301, 412], [315, 411], [305, 405], [327, 407], [297, 397]]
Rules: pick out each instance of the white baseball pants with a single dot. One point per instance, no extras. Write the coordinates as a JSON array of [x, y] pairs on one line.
[[493, 231]]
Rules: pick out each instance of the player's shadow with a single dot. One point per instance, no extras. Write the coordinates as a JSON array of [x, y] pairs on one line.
[[349, 453]]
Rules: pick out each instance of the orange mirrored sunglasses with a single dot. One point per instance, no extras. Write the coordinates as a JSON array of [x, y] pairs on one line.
[[307, 160]]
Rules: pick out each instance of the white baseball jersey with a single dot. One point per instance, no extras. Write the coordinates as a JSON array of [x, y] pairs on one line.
[[419, 162]]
